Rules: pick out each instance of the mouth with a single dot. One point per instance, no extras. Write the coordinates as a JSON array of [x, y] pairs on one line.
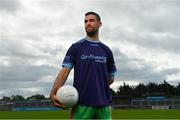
[[89, 28]]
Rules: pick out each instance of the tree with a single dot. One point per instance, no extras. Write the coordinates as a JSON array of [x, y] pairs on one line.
[[167, 88], [125, 90], [152, 88], [140, 90], [177, 89], [17, 98], [5, 98], [36, 97]]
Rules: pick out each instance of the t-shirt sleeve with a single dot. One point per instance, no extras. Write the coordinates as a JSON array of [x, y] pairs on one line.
[[111, 65], [69, 58]]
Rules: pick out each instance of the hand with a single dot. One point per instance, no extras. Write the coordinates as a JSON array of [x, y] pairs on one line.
[[56, 101]]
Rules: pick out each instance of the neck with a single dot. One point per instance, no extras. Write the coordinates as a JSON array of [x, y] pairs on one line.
[[94, 38]]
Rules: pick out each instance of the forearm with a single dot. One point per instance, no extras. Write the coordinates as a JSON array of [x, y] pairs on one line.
[[110, 80], [60, 80]]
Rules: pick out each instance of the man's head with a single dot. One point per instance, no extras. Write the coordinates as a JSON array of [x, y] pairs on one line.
[[92, 23]]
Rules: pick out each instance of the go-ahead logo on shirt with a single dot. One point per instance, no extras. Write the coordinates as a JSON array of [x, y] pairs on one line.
[[101, 59]]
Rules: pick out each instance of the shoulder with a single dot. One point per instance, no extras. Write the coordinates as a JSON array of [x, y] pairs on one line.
[[105, 47], [78, 43]]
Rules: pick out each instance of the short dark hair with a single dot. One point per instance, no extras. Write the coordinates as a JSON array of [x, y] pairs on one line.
[[93, 13]]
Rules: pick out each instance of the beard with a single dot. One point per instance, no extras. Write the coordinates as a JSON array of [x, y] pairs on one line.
[[92, 32]]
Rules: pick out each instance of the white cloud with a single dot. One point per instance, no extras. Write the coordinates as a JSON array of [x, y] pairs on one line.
[[172, 78], [9, 5]]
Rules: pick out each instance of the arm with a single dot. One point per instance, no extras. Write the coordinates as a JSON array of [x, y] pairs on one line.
[[111, 67], [110, 80], [60, 80]]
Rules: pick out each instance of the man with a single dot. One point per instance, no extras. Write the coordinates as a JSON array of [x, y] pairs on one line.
[[94, 70]]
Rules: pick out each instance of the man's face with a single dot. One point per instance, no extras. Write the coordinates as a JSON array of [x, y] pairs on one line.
[[91, 25]]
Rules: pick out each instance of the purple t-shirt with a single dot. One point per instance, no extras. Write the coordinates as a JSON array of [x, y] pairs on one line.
[[93, 62]]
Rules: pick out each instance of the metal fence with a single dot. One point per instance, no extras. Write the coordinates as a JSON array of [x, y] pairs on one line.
[[118, 102], [146, 103], [28, 105], [156, 103]]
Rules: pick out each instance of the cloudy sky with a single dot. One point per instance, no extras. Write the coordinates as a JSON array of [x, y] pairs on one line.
[[144, 36]]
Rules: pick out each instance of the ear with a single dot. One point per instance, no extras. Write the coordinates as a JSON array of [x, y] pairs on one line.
[[100, 24]]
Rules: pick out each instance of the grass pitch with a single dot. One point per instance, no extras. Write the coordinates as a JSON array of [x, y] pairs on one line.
[[116, 114]]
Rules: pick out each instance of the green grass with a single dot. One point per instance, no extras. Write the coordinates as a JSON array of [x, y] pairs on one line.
[[146, 114], [116, 114]]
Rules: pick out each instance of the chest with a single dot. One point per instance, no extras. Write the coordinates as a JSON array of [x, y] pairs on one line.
[[92, 53]]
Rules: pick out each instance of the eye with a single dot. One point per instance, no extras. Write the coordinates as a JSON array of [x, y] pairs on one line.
[[85, 21], [91, 20]]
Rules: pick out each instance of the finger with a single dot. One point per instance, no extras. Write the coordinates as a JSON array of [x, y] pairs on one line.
[[56, 102], [60, 105]]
